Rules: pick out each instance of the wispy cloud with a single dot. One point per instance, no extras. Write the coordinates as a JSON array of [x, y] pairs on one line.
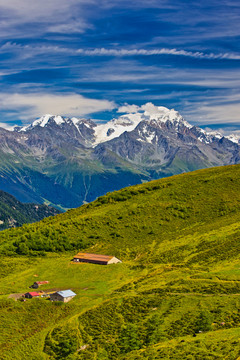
[[169, 52], [215, 114], [217, 109], [117, 52], [135, 72], [163, 51], [29, 19]]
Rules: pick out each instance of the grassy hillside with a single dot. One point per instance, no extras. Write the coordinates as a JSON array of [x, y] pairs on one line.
[[14, 213], [175, 296]]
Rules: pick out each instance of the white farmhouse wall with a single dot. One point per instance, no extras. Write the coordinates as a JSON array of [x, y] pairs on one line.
[[114, 260]]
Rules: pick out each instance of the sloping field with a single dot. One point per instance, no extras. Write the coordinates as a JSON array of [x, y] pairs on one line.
[[175, 296]]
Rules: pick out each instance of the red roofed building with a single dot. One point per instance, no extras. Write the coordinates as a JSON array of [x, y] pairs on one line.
[[31, 294], [96, 259], [41, 282]]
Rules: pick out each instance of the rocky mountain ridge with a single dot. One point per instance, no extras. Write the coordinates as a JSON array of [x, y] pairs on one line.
[[69, 161], [94, 133]]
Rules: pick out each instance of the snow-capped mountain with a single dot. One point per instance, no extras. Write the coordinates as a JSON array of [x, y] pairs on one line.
[[129, 122], [100, 133], [74, 130], [48, 120], [113, 128], [234, 138], [68, 161]]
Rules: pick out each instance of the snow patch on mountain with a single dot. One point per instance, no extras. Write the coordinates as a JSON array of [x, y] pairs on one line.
[[114, 128], [58, 120], [128, 122], [234, 138], [208, 137], [45, 119], [77, 122]]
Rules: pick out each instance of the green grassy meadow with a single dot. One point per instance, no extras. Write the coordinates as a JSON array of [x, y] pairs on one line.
[[175, 296], [24, 321]]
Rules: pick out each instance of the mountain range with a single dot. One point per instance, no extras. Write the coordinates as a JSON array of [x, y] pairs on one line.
[[66, 162]]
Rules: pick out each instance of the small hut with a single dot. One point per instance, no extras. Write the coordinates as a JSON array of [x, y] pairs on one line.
[[64, 295], [30, 295], [36, 284]]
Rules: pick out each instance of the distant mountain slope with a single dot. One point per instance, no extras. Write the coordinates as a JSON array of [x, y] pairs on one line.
[[14, 213], [72, 161], [174, 296], [136, 217]]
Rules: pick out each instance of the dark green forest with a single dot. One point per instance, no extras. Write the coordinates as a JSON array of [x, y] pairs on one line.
[[14, 213]]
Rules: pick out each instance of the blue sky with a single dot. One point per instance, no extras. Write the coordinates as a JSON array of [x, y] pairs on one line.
[[90, 57]]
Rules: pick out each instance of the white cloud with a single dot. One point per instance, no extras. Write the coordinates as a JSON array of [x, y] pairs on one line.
[[149, 108], [126, 108], [5, 126], [29, 106]]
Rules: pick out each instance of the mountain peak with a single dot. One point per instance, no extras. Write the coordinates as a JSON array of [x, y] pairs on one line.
[[162, 114], [56, 119], [128, 122], [43, 121], [46, 118]]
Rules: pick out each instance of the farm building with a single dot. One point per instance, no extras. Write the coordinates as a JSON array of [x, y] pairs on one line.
[[64, 295], [36, 284], [96, 259], [30, 295]]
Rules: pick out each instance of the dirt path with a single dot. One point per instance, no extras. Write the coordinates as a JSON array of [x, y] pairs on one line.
[[15, 296]]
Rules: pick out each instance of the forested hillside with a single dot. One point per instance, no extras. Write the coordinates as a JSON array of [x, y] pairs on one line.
[[176, 294], [13, 213]]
